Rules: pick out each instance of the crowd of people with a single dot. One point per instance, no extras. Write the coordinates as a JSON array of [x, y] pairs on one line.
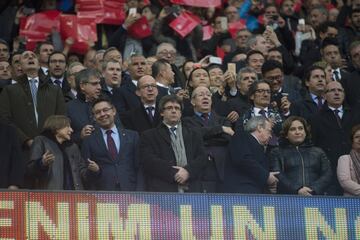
[[272, 107]]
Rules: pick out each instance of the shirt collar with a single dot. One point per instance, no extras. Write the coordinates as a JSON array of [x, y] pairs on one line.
[[113, 129], [30, 78], [339, 108], [257, 110], [134, 82], [161, 85]]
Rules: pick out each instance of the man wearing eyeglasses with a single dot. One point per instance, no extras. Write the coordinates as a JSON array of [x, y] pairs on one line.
[[79, 109], [216, 132], [110, 153], [260, 95], [172, 154], [147, 115], [331, 128]]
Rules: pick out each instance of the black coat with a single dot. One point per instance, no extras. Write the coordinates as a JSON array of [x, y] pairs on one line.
[[300, 166], [215, 141], [12, 162], [138, 119], [246, 169], [304, 108], [125, 98], [158, 157]]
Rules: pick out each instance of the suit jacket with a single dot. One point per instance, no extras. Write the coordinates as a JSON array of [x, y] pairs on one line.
[[215, 140], [304, 108], [17, 108], [158, 159], [119, 174], [246, 170], [139, 121], [125, 99], [65, 88]]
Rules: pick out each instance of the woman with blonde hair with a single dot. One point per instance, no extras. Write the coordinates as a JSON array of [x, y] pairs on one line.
[[55, 161]]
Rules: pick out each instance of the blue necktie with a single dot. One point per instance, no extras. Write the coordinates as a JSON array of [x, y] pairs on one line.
[[34, 90]]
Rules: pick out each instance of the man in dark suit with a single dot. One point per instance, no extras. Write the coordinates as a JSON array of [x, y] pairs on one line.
[[73, 69], [247, 170], [164, 76], [172, 154], [30, 101], [313, 100], [216, 132], [125, 98], [331, 128], [111, 153], [111, 72], [43, 51], [79, 110], [57, 68], [147, 115]]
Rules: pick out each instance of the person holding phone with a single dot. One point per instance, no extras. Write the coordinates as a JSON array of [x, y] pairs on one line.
[[55, 160]]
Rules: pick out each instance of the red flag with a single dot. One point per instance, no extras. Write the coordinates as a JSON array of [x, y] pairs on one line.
[[198, 3], [208, 31], [234, 27], [82, 30], [184, 23], [140, 29]]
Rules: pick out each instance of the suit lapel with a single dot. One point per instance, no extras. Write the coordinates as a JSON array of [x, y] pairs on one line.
[[164, 133]]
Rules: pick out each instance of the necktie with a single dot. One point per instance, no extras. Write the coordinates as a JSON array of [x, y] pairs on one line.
[[336, 75], [205, 117], [149, 111], [34, 90], [57, 82], [262, 113], [337, 116], [111, 144], [173, 131], [319, 102]]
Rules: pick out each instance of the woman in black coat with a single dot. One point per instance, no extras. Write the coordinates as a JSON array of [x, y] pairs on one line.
[[304, 169], [55, 161]]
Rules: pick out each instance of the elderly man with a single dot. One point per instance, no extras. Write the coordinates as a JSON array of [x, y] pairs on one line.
[[30, 101], [216, 132], [147, 115], [331, 128], [173, 155], [168, 52], [247, 169]]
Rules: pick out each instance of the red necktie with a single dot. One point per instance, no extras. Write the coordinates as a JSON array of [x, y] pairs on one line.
[[111, 144]]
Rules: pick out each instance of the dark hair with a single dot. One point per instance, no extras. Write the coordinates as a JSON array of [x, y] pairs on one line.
[[213, 66], [310, 70], [110, 49], [329, 41], [190, 77], [324, 26], [158, 66], [252, 52], [354, 129], [56, 122], [354, 10], [101, 99], [84, 75], [169, 98], [57, 52], [270, 65], [40, 44], [2, 41], [287, 124], [253, 87], [153, 9]]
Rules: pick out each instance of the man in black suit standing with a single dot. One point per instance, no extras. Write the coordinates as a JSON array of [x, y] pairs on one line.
[[147, 115], [110, 152], [125, 98], [247, 170], [57, 68], [331, 129], [172, 154], [164, 76], [216, 131]]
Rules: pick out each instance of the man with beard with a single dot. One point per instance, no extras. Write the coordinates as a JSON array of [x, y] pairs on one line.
[[57, 67]]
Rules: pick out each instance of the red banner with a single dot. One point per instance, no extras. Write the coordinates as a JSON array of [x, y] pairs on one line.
[[208, 31], [140, 29], [198, 3], [185, 23]]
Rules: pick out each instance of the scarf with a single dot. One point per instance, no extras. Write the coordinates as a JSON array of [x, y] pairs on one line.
[[355, 158]]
